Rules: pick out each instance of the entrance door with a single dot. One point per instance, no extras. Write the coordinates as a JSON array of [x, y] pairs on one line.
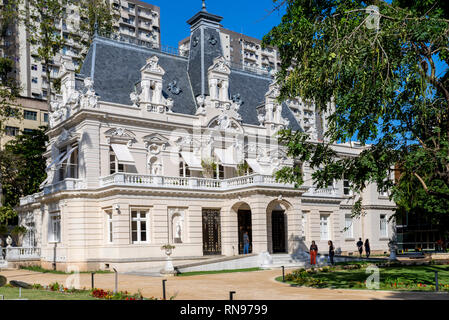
[[211, 232], [244, 224], [278, 231]]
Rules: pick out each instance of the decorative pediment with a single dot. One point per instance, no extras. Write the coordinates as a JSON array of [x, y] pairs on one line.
[[152, 66], [155, 143], [220, 65], [225, 123], [120, 134]]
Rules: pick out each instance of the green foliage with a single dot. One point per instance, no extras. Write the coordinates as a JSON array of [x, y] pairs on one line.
[[209, 167], [379, 87], [242, 168], [7, 213], [22, 165], [41, 21]]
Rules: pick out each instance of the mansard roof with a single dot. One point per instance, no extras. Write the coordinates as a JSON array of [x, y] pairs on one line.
[[115, 68]]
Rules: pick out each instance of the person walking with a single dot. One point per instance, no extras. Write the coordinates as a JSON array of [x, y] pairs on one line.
[[360, 246], [245, 243], [367, 248], [313, 252], [331, 252]]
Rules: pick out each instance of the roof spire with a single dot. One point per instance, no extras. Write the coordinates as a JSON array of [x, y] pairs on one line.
[[204, 5]]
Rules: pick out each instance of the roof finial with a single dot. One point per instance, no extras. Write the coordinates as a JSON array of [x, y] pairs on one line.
[[204, 5]]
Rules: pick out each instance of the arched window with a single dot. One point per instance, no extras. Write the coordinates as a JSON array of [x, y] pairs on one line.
[[184, 170]]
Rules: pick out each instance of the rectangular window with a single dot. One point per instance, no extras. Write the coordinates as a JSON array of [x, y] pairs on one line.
[[139, 226], [45, 117], [26, 130], [349, 230], [346, 187], [29, 115], [69, 162], [11, 131], [383, 226], [110, 231], [114, 165], [54, 228], [324, 227]]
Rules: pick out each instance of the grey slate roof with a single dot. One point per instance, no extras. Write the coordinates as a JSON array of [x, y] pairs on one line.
[[117, 70]]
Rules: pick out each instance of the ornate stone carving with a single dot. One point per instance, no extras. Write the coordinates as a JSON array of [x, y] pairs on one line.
[[195, 41], [212, 40], [134, 99], [173, 87]]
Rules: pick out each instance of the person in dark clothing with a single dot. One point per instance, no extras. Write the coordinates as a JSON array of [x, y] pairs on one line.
[[245, 243], [367, 248], [331, 252], [360, 246], [313, 251]]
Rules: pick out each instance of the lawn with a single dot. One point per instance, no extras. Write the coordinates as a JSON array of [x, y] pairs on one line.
[[196, 273], [35, 294], [406, 278], [42, 270]]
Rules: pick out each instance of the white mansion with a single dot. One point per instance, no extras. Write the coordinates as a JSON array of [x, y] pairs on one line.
[[148, 148]]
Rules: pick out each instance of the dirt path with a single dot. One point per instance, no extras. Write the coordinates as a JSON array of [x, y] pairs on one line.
[[258, 285]]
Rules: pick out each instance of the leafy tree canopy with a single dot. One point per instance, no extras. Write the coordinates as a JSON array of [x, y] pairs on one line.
[[381, 86], [22, 165]]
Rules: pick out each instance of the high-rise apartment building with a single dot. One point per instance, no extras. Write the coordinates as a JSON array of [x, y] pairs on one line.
[[240, 49], [135, 21]]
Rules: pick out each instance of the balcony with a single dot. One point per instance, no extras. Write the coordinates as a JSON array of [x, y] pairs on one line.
[[66, 184], [191, 183]]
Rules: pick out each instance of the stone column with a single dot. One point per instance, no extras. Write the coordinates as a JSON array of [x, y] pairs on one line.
[[259, 224], [229, 232], [294, 219]]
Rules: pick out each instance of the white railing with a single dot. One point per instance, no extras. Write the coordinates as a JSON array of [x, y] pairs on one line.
[[324, 192], [66, 184], [133, 179], [20, 253]]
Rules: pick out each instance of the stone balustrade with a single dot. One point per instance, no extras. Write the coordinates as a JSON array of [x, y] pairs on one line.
[[20, 253]]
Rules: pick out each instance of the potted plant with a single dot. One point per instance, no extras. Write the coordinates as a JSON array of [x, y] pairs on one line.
[[17, 233], [209, 167], [168, 249], [242, 168]]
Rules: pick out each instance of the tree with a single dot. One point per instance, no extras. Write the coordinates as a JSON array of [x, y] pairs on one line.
[[97, 16], [22, 165], [9, 88], [42, 18], [381, 85]]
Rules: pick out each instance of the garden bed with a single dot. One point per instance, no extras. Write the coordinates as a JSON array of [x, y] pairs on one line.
[[354, 276]]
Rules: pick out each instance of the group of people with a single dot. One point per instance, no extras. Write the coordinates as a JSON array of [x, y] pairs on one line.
[[314, 250], [360, 246]]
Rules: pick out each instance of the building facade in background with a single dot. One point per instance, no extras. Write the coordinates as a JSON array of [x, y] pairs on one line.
[[135, 21], [148, 148], [33, 114]]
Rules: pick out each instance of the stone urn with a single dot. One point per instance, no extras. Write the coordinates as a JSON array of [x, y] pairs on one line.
[[392, 247], [168, 268]]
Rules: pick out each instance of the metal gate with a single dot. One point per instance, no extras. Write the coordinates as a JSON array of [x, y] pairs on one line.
[[278, 231], [244, 224], [211, 232]]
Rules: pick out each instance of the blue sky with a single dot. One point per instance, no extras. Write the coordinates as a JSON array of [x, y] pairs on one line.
[[248, 17]]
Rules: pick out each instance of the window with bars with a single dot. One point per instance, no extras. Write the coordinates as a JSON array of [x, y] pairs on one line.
[[324, 227], [139, 226], [349, 230]]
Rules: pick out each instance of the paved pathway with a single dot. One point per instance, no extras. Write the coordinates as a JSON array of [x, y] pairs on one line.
[[258, 285]]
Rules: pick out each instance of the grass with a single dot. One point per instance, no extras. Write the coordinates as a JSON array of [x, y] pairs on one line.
[[42, 270], [196, 273], [35, 294], [403, 278]]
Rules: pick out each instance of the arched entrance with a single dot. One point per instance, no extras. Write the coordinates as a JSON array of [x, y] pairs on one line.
[[277, 226], [244, 224]]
